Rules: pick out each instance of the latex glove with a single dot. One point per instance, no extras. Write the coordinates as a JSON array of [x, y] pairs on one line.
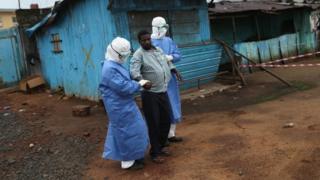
[[143, 82], [178, 75], [169, 58]]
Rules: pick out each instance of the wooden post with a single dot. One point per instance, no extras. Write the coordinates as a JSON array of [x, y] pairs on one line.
[[253, 62], [235, 66], [234, 29], [258, 28]]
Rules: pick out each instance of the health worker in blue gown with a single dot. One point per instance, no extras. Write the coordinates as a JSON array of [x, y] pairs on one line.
[[169, 47], [127, 138]]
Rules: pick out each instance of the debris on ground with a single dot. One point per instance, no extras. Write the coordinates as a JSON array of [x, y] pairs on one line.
[[86, 134], [288, 125], [59, 157], [22, 110], [240, 173], [81, 110], [11, 161], [61, 97], [6, 108], [31, 82]]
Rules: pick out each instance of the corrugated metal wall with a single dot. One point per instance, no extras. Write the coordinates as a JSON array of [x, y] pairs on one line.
[[184, 25], [188, 19], [85, 32], [12, 64], [200, 61]]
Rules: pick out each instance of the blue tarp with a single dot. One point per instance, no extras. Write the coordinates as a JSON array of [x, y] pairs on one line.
[[264, 51], [276, 48]]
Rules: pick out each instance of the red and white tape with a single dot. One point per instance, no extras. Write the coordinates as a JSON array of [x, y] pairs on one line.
[[269, 63], [292, 58], [280, 66]]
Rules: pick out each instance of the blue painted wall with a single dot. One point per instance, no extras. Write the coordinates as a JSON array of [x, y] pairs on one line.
[[188, 20], [84, 34], [86, 27], [12, 65], [199, 62]]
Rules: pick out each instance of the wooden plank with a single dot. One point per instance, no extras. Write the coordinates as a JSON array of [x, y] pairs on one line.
[[253, 62]]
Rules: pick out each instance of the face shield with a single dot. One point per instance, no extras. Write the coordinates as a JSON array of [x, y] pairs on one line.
[[159, 27], [118, 50]]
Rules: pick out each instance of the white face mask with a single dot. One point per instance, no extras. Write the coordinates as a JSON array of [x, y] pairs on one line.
[[159, 32], [125, 56]]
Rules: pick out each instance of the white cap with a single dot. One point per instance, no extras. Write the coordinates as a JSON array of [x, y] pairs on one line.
[[159, 22], [159, 28]]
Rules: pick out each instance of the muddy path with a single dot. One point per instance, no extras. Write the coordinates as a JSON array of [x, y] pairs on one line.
[[235, 134]]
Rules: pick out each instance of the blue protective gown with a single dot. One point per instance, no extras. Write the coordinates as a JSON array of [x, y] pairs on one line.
[[127, 137], [170, 48]]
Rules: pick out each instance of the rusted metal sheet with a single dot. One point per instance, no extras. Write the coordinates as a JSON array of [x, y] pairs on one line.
[[257, 6]]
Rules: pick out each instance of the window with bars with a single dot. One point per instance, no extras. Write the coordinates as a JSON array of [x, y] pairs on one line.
[[56, 41]]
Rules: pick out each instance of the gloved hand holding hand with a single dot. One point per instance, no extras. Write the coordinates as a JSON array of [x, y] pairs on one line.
[[178, 75], [169, 58], [143, 82], [146, 84]]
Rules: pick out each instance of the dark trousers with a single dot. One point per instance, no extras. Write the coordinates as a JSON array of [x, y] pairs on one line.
[[157, 111]]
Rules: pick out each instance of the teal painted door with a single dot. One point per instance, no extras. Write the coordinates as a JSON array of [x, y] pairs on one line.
[[11, 66]]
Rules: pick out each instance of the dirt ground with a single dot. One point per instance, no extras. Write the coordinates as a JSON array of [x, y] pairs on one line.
[[235, 134]]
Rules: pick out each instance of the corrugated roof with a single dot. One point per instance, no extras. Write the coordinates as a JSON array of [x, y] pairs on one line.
[[7, 10], [59, 5], [263, 6]]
